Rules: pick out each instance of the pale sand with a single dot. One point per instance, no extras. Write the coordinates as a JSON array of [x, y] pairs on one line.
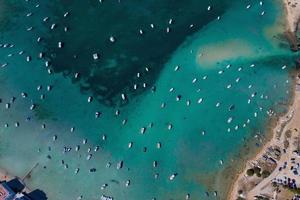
[[292, 14], [224, 51]]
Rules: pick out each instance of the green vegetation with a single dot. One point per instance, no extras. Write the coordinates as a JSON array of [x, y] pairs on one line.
[[250, 172], [265, 173], [258, 172], [295, 191]]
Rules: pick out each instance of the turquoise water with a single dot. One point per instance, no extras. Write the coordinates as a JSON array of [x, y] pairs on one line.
[[226, 62]]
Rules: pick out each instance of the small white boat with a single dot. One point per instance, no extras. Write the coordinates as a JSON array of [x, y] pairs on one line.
[[172, 177], [142, 130], [154, 164], [45, 19], [96, 148], [97, 114], [77, 148], [89, 157], [53, 26], [103, 186], [76, 75], [103, 137], [127, 183], [17, 124], [66, 14], [112, 39], [84, 141], [229, 120], [103, 197], [95, 56], [49, 88], [120, 165], [60, 44], [32, 107], [200, 100], [24, 95], [158, 145]]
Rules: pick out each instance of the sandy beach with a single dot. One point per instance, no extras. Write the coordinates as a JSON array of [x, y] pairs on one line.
[[295, 108], [292, 14], [292, 11], [292, 19]]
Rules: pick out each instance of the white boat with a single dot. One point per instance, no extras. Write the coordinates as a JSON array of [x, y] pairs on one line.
[[66, 14], [84, 141], [60, 44], [53, 26], [120, 164], [32, 107], [200, 100], [103, 186], [77, 148], [142, 130], [96, 148], [158, 145], [112, 39], [154, 164], [172, 177], [127, 183], [89, 157], [103, 197], [95, 56]]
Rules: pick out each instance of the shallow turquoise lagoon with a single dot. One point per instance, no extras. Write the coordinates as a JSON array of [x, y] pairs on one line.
[[202, 91]]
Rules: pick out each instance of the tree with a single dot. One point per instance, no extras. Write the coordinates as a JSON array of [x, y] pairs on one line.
[[265, 173], [250, 172], [257, 170]]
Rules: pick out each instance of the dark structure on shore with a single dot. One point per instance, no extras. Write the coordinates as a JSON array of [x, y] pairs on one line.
[[14, 190]]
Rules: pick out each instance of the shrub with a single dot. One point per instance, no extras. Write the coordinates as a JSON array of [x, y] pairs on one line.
[[265, 173], [250, 172]]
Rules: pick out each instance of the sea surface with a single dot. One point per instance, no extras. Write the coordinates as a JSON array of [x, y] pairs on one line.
[[184, 84]]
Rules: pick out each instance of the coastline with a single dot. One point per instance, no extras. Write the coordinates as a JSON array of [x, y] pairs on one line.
[[292, 18], [270, 140]]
